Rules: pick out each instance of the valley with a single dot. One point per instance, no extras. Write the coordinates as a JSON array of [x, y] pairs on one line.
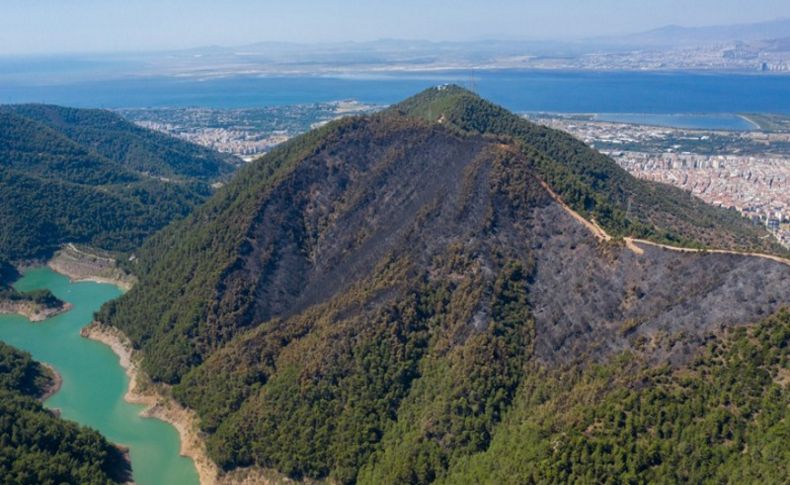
[[80, 190], [93, 384]]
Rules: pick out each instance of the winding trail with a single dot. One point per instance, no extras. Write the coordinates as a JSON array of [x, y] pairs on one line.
[[633, 243], [74, 248], [593, 226]]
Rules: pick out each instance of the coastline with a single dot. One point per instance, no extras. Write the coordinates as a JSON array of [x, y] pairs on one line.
[[746, 118], [158, 404]]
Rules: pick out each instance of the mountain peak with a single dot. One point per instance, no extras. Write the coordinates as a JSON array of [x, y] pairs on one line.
[[435, 102], [381, 267]]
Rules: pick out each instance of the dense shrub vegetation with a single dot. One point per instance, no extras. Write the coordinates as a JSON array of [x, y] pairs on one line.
[[88, 176], [38, 215], [722, 419], [37, 447], [109, 136], [43, 297]]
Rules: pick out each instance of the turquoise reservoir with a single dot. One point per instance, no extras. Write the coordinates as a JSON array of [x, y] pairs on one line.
[[93, 381]]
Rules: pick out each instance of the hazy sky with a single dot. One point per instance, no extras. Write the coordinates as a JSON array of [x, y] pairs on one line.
[[55, 26]]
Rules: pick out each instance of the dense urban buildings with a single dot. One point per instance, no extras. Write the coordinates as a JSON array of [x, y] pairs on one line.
[[745, 170]]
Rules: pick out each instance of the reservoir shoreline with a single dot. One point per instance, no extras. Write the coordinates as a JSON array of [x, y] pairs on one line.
[[76, 264], [32, 311], [51, 343], [162, 406], [57, 382], [84, 265], [125, 470], [159, 404]]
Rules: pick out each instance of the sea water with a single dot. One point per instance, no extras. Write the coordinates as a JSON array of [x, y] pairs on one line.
[[517, 90]]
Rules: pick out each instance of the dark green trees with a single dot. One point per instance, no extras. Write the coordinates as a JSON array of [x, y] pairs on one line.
[[37, 447], [88, 176]]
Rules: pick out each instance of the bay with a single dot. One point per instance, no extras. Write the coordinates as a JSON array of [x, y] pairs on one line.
[[517, 90]]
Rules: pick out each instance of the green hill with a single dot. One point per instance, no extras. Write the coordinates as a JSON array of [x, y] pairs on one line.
[[88, 176], [392, 298], [138, 149], [592, 183], [38, 447]]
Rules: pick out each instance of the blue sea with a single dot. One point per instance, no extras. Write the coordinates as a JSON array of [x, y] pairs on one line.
[[632, 93]]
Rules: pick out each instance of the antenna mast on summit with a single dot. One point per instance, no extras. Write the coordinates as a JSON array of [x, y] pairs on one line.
[[471, 83]]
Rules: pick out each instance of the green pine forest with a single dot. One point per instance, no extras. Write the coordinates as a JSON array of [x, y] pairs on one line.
[[88, 176], [724, 418], [91, 177], [83, 176], [37, 447]]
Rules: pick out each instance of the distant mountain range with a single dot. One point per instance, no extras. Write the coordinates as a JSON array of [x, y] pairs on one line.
[[679, 36], [666, 36], [763, 46], [594, 53]]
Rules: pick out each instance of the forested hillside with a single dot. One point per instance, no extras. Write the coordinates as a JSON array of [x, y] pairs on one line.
[[88, 176], [592, 183], [389, 297], [38, 447], [724, 418], [138, 149]]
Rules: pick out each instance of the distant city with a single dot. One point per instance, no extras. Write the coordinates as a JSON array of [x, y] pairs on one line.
[[246, 133], [748, 171]]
